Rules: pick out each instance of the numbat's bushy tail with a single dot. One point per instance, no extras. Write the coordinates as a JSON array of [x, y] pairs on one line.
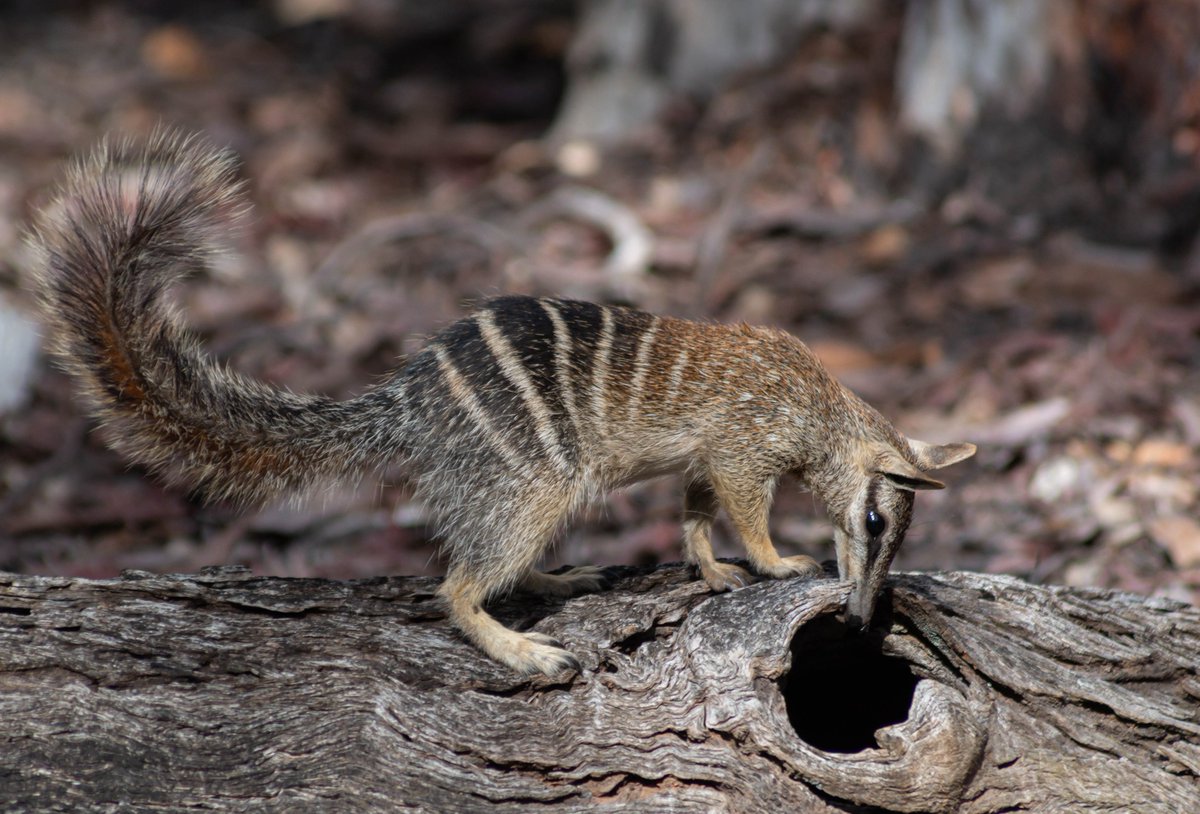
[[128, 221], [506, 422]]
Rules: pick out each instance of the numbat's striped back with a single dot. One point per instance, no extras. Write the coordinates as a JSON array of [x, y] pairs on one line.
[[505, 423], [561, 388]]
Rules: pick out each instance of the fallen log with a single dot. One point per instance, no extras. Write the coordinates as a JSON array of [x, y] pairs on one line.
[[225, 691]]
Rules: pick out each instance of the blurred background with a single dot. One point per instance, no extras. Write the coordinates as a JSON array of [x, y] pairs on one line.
[[982, 215]]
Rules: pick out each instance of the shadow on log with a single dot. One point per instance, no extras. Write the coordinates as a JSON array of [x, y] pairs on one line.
[[223, 691]]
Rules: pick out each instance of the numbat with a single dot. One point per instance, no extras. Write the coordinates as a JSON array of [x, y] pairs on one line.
[[506, 423]]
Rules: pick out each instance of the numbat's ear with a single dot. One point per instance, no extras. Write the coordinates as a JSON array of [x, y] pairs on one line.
[[900, 473], [936, 456]]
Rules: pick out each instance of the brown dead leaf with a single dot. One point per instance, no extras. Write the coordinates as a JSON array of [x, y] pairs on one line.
[[887, 244], [1163, 489], [843, 357], [175, 53], [302, 12], [997, 283], [1180, 536], [1024, 424], [1163, 453], [1187, 412], [20, 111]]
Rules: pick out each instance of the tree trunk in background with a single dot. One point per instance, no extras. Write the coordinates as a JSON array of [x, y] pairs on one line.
[[956, 57], [629, 57], [982, 694], [1058, 110], [959, 56]]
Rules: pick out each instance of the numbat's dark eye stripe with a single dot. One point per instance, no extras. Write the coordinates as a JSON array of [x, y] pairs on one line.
[[876, 525]]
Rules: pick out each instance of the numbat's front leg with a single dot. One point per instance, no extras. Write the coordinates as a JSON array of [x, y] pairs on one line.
[[748, 504], [699, 510]]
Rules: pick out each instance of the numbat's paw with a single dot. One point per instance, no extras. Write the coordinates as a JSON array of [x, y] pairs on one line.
[[539, 653], [527, 653], [799, 566], [721, 576]]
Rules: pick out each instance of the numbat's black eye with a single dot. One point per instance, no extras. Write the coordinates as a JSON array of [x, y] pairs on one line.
[[875, 523]]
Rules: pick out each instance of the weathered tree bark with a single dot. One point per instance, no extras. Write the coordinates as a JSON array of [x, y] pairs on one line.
[[222, 691]]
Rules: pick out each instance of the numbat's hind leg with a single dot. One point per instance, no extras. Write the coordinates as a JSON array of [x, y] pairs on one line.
[[476, 576], [527, 653]]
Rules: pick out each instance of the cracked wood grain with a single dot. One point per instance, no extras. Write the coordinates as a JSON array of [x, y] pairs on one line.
[[223, 691]]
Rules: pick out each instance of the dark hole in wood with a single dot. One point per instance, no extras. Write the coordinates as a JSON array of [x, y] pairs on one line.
[[841, 687]]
